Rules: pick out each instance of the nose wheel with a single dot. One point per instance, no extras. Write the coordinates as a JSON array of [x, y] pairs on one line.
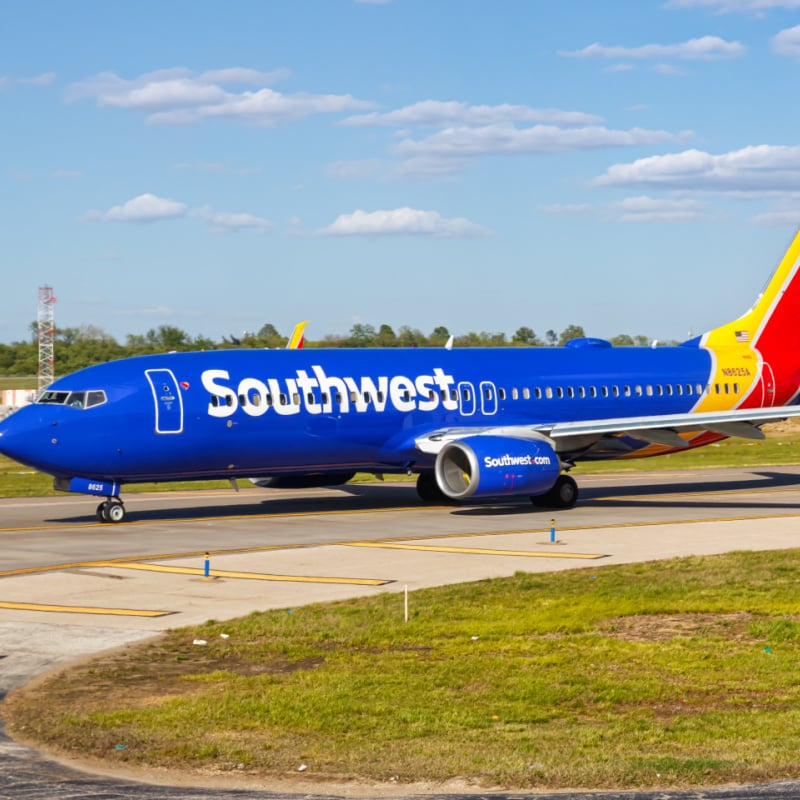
[[111, 510]]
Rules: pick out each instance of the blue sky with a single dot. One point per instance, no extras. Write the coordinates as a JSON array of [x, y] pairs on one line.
[[631, 166]]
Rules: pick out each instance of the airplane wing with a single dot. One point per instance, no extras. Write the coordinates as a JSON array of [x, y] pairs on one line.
[[662, 429]]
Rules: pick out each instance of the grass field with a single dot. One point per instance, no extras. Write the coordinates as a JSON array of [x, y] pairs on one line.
[[676, 673], [673, 673]]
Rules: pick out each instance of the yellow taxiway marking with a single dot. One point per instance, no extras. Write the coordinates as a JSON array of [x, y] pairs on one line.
[[255, 576], [473, 550], [116, 612]]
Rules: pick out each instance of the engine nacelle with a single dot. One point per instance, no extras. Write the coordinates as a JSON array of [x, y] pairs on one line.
[[490, 466]]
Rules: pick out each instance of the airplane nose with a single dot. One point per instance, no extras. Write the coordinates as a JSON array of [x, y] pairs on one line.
[[19, 434]]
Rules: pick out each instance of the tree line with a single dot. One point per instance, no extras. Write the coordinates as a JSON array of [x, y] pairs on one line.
[[83, 346]]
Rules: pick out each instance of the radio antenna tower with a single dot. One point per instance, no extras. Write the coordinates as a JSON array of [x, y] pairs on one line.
[[47, 333]]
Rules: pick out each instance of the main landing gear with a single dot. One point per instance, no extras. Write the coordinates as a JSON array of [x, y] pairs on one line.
[[111, 510], [563, 494]]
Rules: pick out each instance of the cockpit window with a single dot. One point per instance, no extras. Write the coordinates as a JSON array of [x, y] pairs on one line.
[[53, 397], [74, 399], [95, 398]]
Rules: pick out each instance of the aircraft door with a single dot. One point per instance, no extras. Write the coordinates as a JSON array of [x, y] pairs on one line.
[[767, 385], [168, 400], [488, 398], [466, 398]]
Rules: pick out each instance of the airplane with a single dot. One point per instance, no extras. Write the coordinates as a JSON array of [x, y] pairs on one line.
[[471, 423]]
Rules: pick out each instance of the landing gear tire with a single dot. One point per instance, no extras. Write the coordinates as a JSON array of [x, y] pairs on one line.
[[564, 494], [429, 491], [111, 511]]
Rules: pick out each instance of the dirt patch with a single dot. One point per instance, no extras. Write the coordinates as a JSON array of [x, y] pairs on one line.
[[734, 626]]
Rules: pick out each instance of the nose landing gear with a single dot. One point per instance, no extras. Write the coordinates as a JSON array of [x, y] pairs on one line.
[[111, 510]]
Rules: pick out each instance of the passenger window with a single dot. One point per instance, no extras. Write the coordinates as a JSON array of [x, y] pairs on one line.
[[604, 390], [514, 393], [537, 392], [626, 390], [649, 390], [593, 391], [615, 390], [255, 399], [560, 392]]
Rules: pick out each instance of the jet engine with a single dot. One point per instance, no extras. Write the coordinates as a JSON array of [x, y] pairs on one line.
[[491, 466]]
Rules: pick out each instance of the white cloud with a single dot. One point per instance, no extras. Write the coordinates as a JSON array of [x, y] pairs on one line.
[[726, 6], [778, 219], [649, 209], [178, 96], [4, 82], [668, 69], [437, 113], [67, 173], [787, 42], [402, 221], [508, 139], [45, 79], [144, 208], [150, 208], [226, 222], [705, 48], [760, 168], [621, 68]]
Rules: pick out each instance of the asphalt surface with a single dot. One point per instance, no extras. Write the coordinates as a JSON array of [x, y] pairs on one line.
[[70, 587]]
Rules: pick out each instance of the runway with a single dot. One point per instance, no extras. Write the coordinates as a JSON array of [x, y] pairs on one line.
[[71, 586]]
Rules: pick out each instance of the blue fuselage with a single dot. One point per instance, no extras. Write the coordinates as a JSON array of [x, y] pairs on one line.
[[271, 412]]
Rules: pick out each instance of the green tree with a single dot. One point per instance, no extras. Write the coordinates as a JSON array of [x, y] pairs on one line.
[[386, 337], [571, 332], [525, 335], [361, 335], [439, 336], [622, 340]]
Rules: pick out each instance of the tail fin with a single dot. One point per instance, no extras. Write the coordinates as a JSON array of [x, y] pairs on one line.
[[770, 333], [297, 339]]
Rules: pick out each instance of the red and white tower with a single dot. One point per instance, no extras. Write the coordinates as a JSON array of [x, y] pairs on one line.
[[47, 334]]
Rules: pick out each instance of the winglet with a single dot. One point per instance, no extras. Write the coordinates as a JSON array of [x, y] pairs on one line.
[[298, 336]]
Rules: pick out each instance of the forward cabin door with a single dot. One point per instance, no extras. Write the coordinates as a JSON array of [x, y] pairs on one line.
[[168, 400]]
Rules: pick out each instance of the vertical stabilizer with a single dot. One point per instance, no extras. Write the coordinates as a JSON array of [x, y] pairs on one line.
[[760, 351]]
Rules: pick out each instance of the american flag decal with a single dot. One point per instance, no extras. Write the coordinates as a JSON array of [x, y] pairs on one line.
[[742, 336]]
